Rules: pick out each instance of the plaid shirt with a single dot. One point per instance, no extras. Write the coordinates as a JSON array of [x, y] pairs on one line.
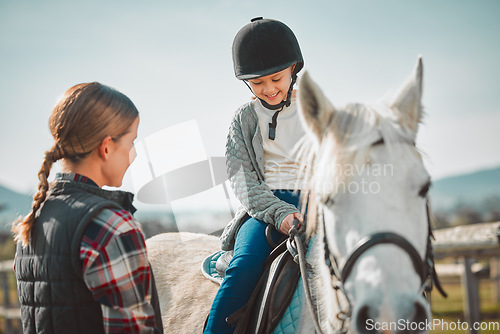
[[116, 269]]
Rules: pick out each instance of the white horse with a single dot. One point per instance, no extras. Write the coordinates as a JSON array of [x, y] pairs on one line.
[[365, 177]]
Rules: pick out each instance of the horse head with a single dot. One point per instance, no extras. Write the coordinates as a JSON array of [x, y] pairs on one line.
[[367, 180]]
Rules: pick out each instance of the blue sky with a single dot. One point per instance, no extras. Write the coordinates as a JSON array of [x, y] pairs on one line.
[[173, 59]]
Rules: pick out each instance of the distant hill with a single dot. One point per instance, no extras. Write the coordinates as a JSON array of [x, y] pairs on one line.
[[12, 204], [478, 189]]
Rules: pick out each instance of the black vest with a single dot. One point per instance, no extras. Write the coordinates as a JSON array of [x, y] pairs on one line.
[[52, 292]]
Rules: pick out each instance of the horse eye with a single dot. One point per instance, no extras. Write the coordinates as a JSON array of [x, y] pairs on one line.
[[329, 201], [425, 189]]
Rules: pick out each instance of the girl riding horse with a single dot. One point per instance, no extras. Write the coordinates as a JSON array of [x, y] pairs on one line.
[[262, 159]]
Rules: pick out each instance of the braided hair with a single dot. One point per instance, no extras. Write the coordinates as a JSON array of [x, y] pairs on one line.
[[86, 114]]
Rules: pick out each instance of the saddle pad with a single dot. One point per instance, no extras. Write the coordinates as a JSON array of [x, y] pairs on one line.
[[208, 267], [290, 323]]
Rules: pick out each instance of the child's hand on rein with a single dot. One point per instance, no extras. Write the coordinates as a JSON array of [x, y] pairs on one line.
[[287, 223]]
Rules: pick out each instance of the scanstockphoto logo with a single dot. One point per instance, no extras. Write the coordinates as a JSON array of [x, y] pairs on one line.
[[360, 178], [172, 166], [431, 325], [355, 179]]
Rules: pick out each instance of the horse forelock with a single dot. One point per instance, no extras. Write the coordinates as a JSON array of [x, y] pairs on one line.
[[350, 134]]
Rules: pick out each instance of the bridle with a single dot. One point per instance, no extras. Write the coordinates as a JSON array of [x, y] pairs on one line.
[[425, 267]]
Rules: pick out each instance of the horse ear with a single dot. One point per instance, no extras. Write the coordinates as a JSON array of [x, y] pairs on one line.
[[407, 103], [314, 106]]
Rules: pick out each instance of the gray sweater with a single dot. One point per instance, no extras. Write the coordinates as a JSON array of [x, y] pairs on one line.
[[245, 168]]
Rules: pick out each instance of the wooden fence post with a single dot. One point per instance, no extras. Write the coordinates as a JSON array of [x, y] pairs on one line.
[[471, 294], [9, 309], [495, 278], [6, 300]]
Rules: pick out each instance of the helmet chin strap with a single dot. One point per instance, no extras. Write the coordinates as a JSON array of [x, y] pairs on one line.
[[278, 107]]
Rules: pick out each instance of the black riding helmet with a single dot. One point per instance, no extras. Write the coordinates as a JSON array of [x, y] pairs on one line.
[[264, 47]]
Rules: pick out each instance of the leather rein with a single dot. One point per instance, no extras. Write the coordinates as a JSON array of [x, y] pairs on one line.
[[425, 267]]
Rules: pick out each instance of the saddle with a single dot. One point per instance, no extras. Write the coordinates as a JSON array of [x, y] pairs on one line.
[[272, 295]]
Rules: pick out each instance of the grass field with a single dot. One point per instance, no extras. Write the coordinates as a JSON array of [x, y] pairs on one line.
[[449, 311]]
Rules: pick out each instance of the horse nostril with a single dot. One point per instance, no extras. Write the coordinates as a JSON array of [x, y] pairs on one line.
[[420, 318], [367, 320], [416, 324], [364, 321]]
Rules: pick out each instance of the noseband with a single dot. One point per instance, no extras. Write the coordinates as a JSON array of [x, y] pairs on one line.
[[423, 267], [383, 238]]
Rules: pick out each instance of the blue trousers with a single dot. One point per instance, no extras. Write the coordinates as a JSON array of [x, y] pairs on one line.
[[250, 252]]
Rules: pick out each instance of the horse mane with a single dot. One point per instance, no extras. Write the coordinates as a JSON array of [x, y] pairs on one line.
[[350, 134]]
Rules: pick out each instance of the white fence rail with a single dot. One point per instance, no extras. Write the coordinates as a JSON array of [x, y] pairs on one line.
[[470, 243]]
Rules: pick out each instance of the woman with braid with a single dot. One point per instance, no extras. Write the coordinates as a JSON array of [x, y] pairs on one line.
[[81, 264]]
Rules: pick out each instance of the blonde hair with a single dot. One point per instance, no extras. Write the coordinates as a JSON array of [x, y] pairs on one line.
[[86, 114]]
